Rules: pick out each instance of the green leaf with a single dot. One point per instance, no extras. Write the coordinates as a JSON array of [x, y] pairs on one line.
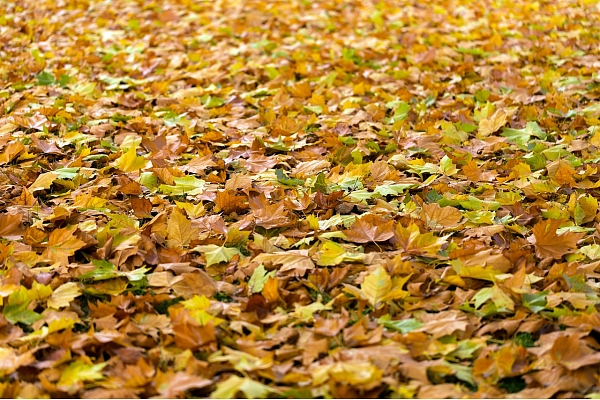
[[401, 325], [482, 95], [320, 184], [521, 137], [184, 186], [447, 167], [45, 79], [78, 372], [284, 179], [216, 254], [536, 302], [259, 277], [212, 101], [65, 80], [104, 270], [19, 313]]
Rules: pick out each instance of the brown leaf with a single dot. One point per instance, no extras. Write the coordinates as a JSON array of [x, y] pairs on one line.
[[62, 244], [179, 229], [370, 228], [10, 225], [435, 216], [549, 244], [228, 201], [189, 333]]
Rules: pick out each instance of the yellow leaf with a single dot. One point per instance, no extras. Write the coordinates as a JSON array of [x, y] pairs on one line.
[[487, 126], [11, 152], [376, 285], [76, 373], [44, 181], [179, 230], [130, 161], [64, 295]]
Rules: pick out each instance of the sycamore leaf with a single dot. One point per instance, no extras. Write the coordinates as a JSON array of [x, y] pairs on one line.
[[376, 285], [10, 225], [19, 313], [306, 313], [401, 325], [43, 181], [489, 125], [11, 152], [130, 161], [291, 260], [62, 244], [216, 254], [549, 244], [333, 254], [444, 217], [370, 228], [198, 307], [76, 373], [179, 230], [447, 167], [184, 186], [259, 278], [63, 295], [414, 242], [252, 389]]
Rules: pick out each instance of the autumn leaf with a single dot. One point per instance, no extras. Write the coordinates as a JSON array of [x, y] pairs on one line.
[[216, 254], [77, 372], [415, 242], [370, 228], [376, 285], [10, 225], [444, 217], [489, 125], [179, 229], [229, 389], [299, 199], [549, 244], [130, 161], [62, 244], [63, 295]]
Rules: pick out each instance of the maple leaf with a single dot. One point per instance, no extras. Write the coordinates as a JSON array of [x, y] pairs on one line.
[[370, 228], [376, 285], [434, 216], [268, 215], [130, 161], [489, 125], [414, 242], [179, 229], [229, 388], [62, 244], [77, 372], [549, 244], [63, 295], [10, 225], [216, 254]]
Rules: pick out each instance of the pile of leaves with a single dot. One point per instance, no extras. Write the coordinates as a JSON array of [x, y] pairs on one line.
[[299, 198]]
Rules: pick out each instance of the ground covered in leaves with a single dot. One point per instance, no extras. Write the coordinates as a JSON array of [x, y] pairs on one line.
[[299, 198]]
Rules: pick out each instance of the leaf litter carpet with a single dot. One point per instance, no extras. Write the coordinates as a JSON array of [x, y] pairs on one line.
[[299, 199]]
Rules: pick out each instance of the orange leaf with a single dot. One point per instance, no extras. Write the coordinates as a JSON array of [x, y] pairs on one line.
[[62, 244], [549, 244], [434, 216], [370, 228]]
